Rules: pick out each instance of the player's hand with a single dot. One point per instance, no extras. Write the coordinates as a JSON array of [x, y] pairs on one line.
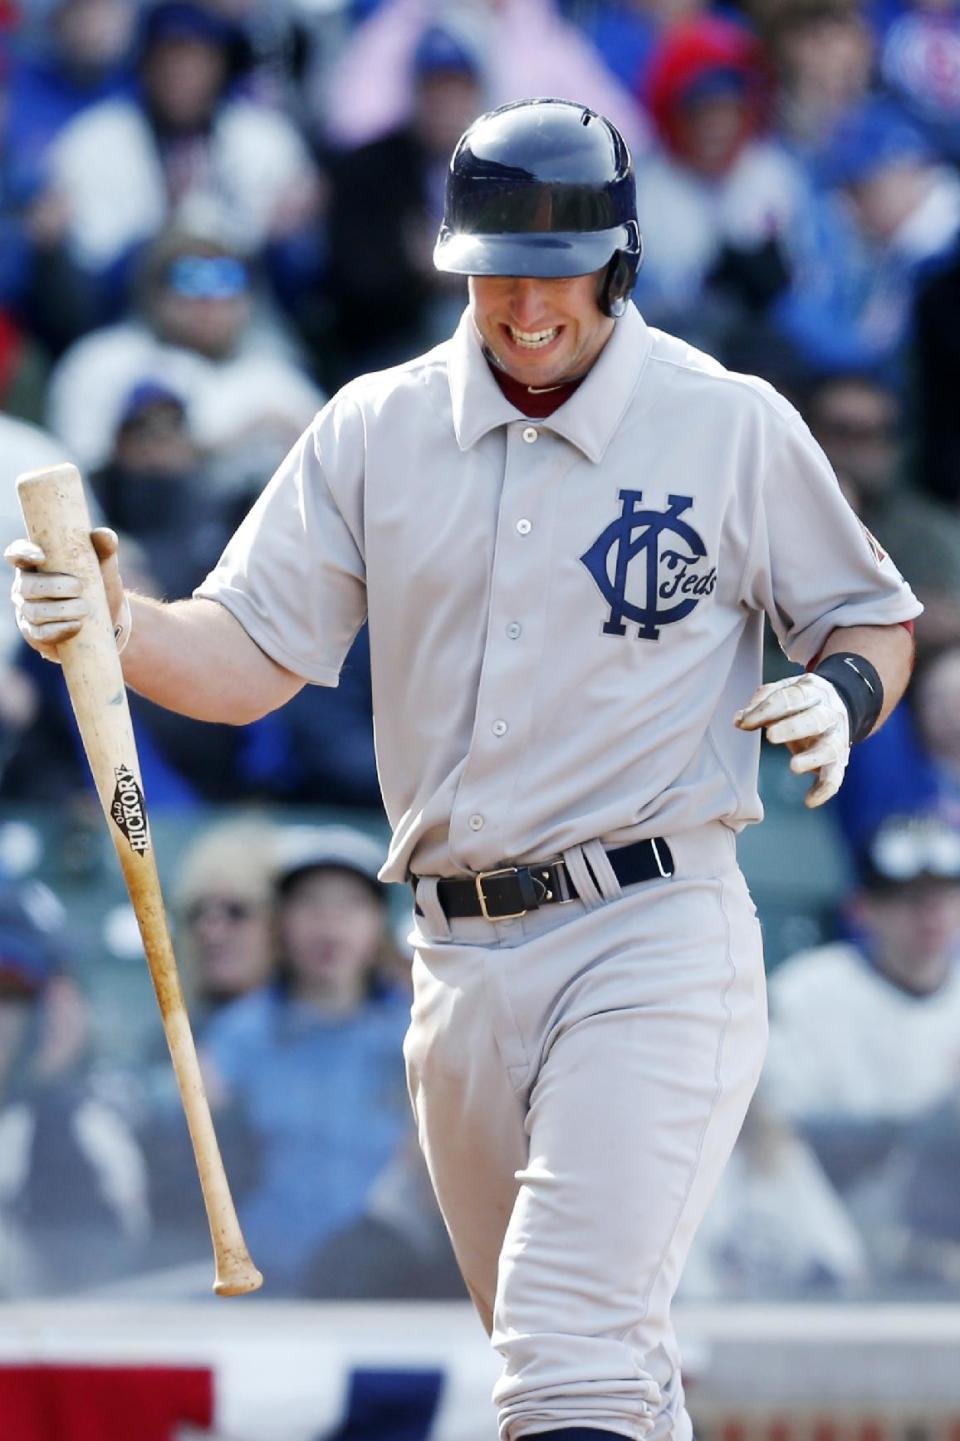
[[50, 608], [807, 714]]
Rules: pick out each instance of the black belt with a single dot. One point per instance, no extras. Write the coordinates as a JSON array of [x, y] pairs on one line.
[[512, 891]]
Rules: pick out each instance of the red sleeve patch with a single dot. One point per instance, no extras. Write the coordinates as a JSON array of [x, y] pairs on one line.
[[879, 554]]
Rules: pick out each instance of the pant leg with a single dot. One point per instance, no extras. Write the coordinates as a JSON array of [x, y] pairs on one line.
[[462, 1050], [645, 1067]]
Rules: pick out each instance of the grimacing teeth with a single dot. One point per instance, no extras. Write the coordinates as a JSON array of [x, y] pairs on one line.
[[533, 338]]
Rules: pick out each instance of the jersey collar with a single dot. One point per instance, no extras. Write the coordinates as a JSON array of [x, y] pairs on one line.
[[587, 420]]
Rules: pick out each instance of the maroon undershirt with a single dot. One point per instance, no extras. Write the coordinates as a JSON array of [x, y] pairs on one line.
[[537, 404]]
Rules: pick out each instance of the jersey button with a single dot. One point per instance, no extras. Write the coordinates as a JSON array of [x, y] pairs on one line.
[[524, 527], [499, 727], [530, 434], [475, 823], [514, 629]]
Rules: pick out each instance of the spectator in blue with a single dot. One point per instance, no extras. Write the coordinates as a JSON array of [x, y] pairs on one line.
[[186, 144], [919, 64], [626, 32], [314, 1061], [71, 55], [203, 331], [326, 750], [821, 53], [389, 301], [73, 1185], [60, 63], [155, 489], [888, 217]]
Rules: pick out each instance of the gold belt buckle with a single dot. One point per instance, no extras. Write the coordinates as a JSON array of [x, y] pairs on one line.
[[488, 875]]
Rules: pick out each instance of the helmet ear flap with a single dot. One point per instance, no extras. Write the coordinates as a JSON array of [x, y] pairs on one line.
[[616, 285]]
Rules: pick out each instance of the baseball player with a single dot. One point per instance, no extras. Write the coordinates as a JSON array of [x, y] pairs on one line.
[[565, 529]]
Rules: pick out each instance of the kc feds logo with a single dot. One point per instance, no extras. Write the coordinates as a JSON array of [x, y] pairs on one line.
[[668, 580]]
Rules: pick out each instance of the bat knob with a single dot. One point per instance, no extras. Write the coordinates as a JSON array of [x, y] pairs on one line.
[[239, 1279]]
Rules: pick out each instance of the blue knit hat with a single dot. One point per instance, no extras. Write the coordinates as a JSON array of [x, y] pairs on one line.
[[184, 20], [439, 49], [869, 138], [188, 20]]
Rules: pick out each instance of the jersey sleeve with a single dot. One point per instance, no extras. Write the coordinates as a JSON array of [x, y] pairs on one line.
[[812, 565], [293, 573]]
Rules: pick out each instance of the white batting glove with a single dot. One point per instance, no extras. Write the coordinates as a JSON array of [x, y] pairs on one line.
[[806, 713], [50, 608]]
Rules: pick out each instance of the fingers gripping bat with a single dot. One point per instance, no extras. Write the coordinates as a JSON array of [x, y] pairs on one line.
[[57, 519]]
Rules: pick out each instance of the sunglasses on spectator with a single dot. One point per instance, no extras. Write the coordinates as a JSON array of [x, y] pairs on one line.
[[902, 855], [221, 910], [207, 277]]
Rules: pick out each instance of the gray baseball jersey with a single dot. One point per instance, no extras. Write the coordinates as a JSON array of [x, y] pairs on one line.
[[564, 614]]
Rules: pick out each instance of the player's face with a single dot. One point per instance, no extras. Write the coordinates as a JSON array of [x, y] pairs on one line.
[[542, 332]]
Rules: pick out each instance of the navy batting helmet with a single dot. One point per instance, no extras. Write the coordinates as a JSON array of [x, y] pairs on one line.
[[545, 188]]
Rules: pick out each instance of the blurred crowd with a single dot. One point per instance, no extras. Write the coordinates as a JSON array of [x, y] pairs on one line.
[[212, 214]]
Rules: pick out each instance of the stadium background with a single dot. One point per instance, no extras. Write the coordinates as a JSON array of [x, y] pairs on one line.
[[212, 215]]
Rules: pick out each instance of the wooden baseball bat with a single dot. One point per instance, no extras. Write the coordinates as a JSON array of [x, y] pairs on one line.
[[57, 519]]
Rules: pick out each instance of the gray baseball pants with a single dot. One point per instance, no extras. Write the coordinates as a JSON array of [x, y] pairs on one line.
[[579, 1076]]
